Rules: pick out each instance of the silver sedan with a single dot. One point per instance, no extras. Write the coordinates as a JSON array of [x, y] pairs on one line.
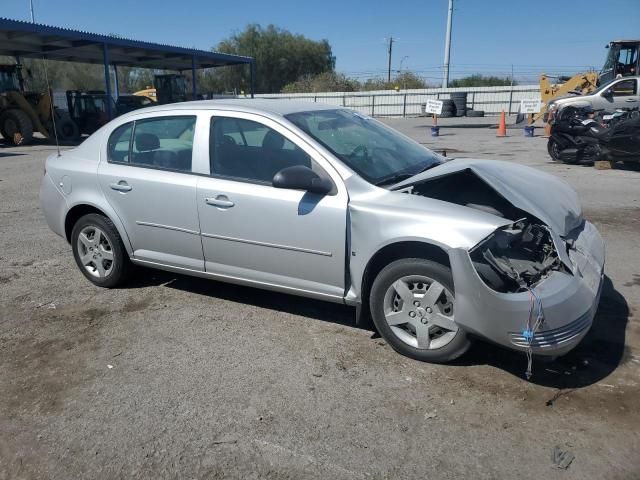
[[327, 203]]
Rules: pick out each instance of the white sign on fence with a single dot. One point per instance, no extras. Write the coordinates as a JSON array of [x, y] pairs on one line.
[[434, 106], [530, 106]]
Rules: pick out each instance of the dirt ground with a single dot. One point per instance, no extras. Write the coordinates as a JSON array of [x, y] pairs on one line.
[[177, 377]]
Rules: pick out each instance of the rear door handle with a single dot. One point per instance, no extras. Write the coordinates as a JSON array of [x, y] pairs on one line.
[[219, 201], [629, 100], [121, 186]]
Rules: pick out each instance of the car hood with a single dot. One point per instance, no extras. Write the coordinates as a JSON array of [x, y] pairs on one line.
[[540, 194], [575, 99]]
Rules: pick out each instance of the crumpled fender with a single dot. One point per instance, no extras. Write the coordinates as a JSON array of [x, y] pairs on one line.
[[386, 217]]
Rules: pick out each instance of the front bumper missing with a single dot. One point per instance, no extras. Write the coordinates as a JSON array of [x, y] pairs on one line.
[[569, 301]]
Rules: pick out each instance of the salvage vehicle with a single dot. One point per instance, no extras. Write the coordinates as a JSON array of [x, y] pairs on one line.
[[327, 203], [619, 93], [575, 137]]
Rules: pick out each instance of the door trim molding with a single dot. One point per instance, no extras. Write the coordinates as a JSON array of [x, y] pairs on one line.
[[270, 245], [167, 227]]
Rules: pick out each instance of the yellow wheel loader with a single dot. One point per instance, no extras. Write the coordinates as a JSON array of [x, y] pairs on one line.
[[23, 113]]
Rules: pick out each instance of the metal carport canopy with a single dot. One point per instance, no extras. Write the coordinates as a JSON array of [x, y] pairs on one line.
[[24, 39]]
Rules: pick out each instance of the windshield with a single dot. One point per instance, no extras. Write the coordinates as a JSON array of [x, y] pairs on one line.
[[374, 151]]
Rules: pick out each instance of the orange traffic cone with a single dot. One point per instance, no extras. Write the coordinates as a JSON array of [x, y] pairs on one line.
[[502, 126]]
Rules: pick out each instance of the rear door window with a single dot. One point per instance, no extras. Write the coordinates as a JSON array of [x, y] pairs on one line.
[[164, 142]]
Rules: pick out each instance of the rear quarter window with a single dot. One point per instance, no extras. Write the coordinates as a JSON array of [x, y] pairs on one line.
[[119, 144]]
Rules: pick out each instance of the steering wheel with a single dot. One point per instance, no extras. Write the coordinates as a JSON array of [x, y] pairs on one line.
[[360, 149]]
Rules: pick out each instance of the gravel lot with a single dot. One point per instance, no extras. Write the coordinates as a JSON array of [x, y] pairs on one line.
[[174, 377]]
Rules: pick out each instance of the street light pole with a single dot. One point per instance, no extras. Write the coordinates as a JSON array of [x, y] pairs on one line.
[[447, 47], [31, 10], [389, 66]]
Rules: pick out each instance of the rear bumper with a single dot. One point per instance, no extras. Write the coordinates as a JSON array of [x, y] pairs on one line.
[[569, 301]]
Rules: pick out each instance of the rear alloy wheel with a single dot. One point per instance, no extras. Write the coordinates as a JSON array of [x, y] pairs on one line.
[[413, 307], [99, 252]]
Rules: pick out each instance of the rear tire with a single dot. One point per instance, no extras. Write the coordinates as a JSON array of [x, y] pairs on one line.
[[16, 127], [412, 304], [66, 128], [99, 251]]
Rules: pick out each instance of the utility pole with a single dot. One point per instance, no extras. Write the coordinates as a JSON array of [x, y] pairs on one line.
[[389, 69], [31, 9], [447, 47]]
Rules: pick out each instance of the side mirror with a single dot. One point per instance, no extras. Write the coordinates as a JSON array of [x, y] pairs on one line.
[[300, 177], [608, 93]]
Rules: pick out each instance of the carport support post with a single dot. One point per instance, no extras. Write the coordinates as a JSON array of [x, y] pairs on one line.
[[107, 78], [252, 76], [193, 78], [115, 75]]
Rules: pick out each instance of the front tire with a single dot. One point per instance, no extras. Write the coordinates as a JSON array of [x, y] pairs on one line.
[[99, 251], [554, 148], [412, 304]]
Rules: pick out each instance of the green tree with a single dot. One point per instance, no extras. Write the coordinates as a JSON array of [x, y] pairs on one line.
[[281, 58], [323, 82], [403, 81], [478, 80]]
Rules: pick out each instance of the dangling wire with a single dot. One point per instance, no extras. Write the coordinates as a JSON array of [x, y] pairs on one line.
[[53, 112], [532, 327]]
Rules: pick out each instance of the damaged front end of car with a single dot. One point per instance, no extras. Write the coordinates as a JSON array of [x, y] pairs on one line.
[[533, 284], [517, 257]]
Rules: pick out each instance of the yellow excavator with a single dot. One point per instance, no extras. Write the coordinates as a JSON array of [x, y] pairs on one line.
[[623, 59], [22, 112]]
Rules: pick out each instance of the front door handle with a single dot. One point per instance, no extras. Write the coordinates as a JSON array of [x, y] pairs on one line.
[[630, 100], [219, 201], [121, 186]]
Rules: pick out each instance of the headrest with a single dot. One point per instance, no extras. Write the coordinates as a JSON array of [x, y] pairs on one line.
[[146, 142], [273, 140]]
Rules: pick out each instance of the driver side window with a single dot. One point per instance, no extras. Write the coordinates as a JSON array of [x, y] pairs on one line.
[[625, 88], [250, 151]]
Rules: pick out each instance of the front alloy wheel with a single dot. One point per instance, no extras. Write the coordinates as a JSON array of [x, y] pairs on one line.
[[412, 303], [419, 311]]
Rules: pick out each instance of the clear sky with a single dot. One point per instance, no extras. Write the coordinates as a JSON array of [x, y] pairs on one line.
[[489, 36]]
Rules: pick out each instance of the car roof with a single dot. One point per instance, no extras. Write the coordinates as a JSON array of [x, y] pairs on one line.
[[249, 105]]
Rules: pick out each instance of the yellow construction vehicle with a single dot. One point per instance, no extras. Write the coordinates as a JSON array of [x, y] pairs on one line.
[[169, 88], [148, 92], [22, 112], [623, 59]]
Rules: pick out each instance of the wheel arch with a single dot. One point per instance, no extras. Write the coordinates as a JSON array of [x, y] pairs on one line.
[[79, 210], [396, 251]]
